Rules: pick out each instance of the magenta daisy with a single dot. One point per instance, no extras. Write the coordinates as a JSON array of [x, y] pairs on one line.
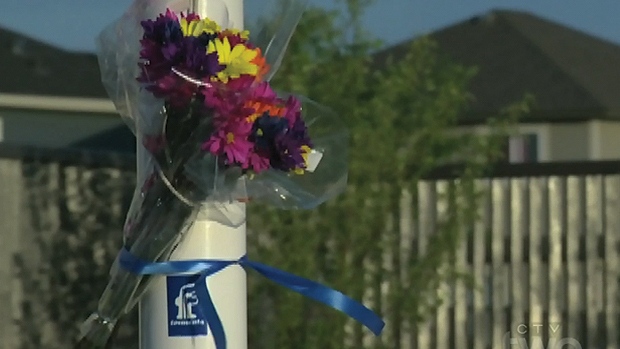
[[231, 142]]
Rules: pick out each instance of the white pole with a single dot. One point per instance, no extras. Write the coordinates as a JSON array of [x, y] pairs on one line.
[[168, 315]]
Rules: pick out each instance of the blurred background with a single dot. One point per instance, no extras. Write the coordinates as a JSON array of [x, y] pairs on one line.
[[483, 206]]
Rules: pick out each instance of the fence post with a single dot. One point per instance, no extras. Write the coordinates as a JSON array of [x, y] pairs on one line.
[[10, 208], [612, 226]]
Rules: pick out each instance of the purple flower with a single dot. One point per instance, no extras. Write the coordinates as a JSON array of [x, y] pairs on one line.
[[165, 29], [174, 66], [158, 60], [299, 132], [290, 146], [161, 47], [197, 63]]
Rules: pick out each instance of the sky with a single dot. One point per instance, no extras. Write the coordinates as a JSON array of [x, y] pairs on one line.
[[73, 24]]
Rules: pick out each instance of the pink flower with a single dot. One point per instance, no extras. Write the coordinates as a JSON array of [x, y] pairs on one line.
[[170, 14], [128, 228], [191, 16], [154, 143], [257, 162], [293, 110], [148, 183], [221, 99], [241, 84], [176, 90], [231, 141], [263, 91]]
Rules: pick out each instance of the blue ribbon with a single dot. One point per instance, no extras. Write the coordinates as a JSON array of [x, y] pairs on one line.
[[205, 268]]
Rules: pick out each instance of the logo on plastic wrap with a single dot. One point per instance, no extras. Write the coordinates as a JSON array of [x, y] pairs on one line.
[[184, 319]]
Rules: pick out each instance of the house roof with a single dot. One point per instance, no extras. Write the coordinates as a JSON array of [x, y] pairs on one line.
[[573, 76], [35, 75], [30, 67]]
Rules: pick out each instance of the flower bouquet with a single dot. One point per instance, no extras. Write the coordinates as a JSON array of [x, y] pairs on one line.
[[212, 133]]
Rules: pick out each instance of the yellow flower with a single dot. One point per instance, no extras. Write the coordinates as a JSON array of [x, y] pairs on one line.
[[197, 27], [305, 150], [236, 60]]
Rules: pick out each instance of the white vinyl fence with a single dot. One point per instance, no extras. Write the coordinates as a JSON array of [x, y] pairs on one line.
[[545, 258]]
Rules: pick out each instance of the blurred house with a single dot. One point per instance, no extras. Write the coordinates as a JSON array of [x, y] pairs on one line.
[[574, 78]]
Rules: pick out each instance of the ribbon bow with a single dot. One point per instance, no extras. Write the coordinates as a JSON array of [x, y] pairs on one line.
[[205, 268]]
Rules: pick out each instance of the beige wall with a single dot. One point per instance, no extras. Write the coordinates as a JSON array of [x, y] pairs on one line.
[[542, 130], [51, 129], [605, 140], [594, 140], [569, 142]]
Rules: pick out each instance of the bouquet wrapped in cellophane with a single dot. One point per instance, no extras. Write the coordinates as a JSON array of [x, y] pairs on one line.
[[211, 130]]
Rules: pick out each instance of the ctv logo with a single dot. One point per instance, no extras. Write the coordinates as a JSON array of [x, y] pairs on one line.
[[535, 331]]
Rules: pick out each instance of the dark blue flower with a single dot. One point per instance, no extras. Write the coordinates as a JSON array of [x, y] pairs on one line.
[[265, 130], [283, 145]]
